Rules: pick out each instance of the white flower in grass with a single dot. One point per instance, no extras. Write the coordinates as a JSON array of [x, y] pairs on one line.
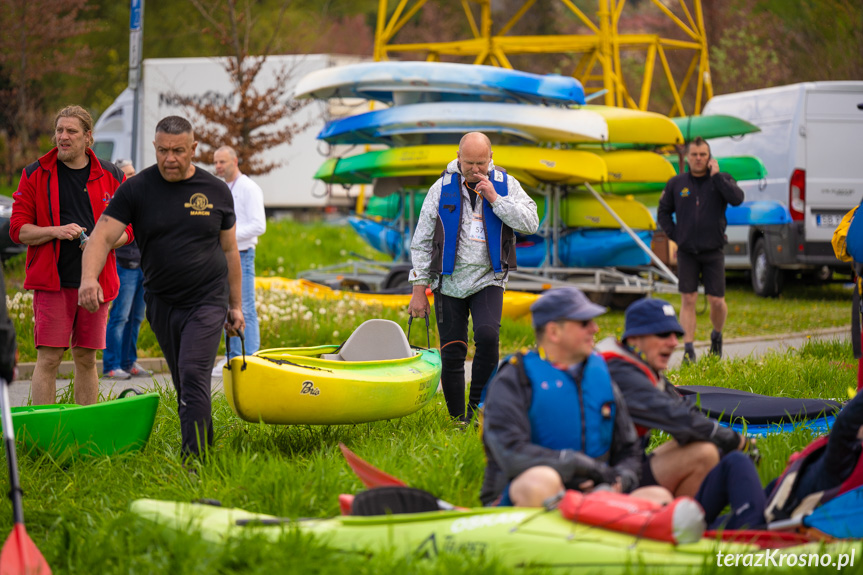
[[22, 315], [317, 242], [308, 316], [322, 311], [281, 269], [317, 327], [335, 333], [351, 312], [313, 265], [343, 253], [280, 260]]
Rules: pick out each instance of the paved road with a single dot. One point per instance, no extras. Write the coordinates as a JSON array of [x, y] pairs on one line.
[[19, 392]]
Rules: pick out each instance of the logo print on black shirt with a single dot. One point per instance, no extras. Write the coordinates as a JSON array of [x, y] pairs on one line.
[[199, 204]]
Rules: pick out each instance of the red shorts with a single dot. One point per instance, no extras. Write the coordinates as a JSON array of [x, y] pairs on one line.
[[61, 321]]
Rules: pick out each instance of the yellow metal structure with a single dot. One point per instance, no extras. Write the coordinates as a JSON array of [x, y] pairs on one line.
[[599, 65]]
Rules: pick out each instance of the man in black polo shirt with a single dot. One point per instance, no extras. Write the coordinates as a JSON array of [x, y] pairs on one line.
[[191, 267]]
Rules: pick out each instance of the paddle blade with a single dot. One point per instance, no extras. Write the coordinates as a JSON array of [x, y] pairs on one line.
[[20, 555], [370, 475]]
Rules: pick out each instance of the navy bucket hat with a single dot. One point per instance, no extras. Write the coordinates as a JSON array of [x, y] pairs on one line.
[[649, 317]]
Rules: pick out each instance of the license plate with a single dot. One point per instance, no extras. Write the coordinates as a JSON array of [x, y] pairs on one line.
[[828, 220]]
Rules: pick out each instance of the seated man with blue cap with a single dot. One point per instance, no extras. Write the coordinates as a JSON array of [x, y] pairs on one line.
[[554, 419], [637, 364]]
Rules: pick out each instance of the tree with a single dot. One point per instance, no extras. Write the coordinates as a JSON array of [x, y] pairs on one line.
[[34, 50], [258, 117]]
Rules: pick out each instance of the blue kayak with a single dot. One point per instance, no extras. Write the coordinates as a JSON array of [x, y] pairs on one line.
[[447, 122], [587, 248], [416, 82], [758, 213]]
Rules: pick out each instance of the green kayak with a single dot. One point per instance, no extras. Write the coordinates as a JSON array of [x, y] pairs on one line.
[[80, 431], [518, 537], [713, 126], [739, 167]]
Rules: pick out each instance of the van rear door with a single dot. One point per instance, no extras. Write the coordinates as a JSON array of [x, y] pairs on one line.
[[834, 161]]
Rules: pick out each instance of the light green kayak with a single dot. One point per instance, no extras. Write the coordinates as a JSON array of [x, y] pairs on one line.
[[739, 167], [713, 126], [517, 537]]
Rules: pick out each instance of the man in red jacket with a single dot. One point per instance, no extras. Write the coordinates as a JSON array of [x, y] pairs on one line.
[[59, 198]]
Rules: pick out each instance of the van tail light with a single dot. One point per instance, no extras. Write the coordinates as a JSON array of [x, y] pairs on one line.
[[797, 195]]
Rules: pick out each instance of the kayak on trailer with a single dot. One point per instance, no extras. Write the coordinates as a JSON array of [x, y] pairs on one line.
[[714, 126], [79, 431], [530, 165], [516, 304], [586, 248], [738, 167], [415, 82], [374, 375], [517, 537], [758, 213], [447, 122], [626, 125], [581, 209]]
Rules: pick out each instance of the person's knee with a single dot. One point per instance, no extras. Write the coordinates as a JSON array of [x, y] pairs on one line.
[[486, 337], [453, 350], [532, 487], [655, 493], [703, 455], [49, 357], [84, 357], [689, 299]]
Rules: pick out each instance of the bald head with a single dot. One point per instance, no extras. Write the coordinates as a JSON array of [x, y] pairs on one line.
[[226, 163], [474, 155]]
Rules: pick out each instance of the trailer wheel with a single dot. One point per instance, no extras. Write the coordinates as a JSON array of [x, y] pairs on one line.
[[766, 279]]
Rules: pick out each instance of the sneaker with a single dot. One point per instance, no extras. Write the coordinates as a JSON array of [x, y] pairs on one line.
[[716, 343], [218, 369], [138, 370], [117, 374], [688, 356]]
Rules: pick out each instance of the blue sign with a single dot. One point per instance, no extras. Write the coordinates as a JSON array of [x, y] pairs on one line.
[[135, 14]]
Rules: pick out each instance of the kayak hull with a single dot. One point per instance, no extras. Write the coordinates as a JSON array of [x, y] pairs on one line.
[[69, 430], [587, 249], [517, 537], [288, 386]]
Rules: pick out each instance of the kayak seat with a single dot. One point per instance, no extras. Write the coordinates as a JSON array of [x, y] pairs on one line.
[[374, 340]]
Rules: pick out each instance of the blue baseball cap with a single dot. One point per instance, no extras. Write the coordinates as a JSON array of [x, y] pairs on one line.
[[650, 317], [564, 303]]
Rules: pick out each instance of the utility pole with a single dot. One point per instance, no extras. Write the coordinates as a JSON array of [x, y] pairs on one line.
[[136, 43]]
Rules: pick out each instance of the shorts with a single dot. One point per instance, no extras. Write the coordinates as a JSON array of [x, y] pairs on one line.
[[708, 266], [59, 321], [647, 477]]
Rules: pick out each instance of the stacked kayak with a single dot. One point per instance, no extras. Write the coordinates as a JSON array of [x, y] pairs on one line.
[[80, 431], [516, 304], [374, 375], [586, 248]]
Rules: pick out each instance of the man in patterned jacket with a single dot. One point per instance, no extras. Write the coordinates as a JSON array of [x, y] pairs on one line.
[[463, 249]]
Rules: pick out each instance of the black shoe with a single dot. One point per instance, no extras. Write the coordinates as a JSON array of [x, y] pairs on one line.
[[688, 356], [716, 343]]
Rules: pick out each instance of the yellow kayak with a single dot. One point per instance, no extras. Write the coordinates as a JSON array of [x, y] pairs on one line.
[[580, 209], [630, 126], [374, 375], [515, 303]]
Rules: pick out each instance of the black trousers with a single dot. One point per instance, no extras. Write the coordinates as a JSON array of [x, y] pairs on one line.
[[484, 307], [189, 338]]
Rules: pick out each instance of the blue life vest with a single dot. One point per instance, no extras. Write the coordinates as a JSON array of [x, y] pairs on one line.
[[569, 414], [449, 215]]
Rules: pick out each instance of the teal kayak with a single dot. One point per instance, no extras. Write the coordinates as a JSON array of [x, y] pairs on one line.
[[80, 431], [713, 126], [738, 167]]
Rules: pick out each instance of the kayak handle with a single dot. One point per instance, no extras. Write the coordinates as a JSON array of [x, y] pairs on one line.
[[242, 346], [428, 335]]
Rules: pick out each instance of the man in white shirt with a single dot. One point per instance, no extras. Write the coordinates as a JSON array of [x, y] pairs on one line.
[[251, 223]]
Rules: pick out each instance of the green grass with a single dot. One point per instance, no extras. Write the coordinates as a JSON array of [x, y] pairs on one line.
[[77, 511]]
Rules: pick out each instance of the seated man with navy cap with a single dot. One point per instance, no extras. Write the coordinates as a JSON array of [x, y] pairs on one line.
[[553, 417], [637, 364]]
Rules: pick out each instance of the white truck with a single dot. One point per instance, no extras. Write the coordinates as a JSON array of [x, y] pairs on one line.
[[811, 142], [290, 186]]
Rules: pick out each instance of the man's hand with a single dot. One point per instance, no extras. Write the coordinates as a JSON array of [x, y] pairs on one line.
[[486, 189], [419, 304], [713, 166], [90, 295], [235, 322], [68, 232]]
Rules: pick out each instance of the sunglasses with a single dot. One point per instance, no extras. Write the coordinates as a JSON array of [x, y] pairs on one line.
[[582, 322], [665, 335]]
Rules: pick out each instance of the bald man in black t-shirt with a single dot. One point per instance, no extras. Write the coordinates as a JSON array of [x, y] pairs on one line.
[[191, 266]]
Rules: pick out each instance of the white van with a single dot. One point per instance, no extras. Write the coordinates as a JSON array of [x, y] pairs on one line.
[[811, 142]]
